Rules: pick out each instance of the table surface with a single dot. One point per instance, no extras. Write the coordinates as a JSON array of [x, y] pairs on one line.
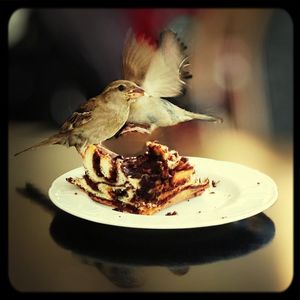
[[50, 250]]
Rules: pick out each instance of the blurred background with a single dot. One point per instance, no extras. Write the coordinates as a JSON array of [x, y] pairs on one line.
[[242, 62], [242, 66]]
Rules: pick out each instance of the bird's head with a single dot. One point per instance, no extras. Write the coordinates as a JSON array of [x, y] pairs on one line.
[[125, 89]]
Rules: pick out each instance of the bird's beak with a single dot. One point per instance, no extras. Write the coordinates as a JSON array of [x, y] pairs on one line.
[[136, 92]]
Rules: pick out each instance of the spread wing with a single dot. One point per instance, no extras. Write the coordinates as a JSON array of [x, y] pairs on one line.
[[136, 57], [81, 116], [163, 76], [157, 70]]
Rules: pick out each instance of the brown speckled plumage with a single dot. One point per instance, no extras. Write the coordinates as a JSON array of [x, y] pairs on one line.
[[98, 119]]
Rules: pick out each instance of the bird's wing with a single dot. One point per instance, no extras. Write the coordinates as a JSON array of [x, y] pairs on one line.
[[163, 76], [136, 57], [81, 116]]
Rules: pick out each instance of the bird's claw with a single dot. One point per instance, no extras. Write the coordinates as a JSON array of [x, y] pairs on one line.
[[105, 150], [138, 128]]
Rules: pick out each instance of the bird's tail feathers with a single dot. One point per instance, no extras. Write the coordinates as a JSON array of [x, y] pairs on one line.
[[55, 139], [184, 70], [204, 117]]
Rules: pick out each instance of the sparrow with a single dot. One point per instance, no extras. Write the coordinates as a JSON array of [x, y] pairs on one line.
[[160, 72], [98, 119]]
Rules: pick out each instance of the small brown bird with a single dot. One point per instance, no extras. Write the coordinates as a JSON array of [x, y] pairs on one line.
[[160, 72], [98, 119]]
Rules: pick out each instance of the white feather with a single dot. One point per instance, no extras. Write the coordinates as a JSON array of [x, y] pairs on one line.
[[163, 78], [136, 58]]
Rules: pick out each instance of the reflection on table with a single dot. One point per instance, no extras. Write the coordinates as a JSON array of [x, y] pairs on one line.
[[121, 253]]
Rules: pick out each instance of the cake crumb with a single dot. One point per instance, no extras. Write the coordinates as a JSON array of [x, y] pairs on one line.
[[214, 183], [174, 213]]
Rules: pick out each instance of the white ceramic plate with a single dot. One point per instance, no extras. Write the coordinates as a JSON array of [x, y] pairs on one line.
[[240, 192]]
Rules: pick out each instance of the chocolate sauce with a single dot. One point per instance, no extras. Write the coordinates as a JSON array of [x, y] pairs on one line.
[[96, 164], [113, 170], [125, 208], [120, 193], [155, 180], [91, 183], [118, 205], [151, 163], [70, 179], [147, 183], [97, 168], [184, 159]]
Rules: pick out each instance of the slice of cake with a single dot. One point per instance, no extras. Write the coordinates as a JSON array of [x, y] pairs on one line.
[[141, 184]]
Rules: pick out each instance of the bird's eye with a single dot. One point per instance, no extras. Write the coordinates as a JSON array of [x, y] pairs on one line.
[[121, 87]]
